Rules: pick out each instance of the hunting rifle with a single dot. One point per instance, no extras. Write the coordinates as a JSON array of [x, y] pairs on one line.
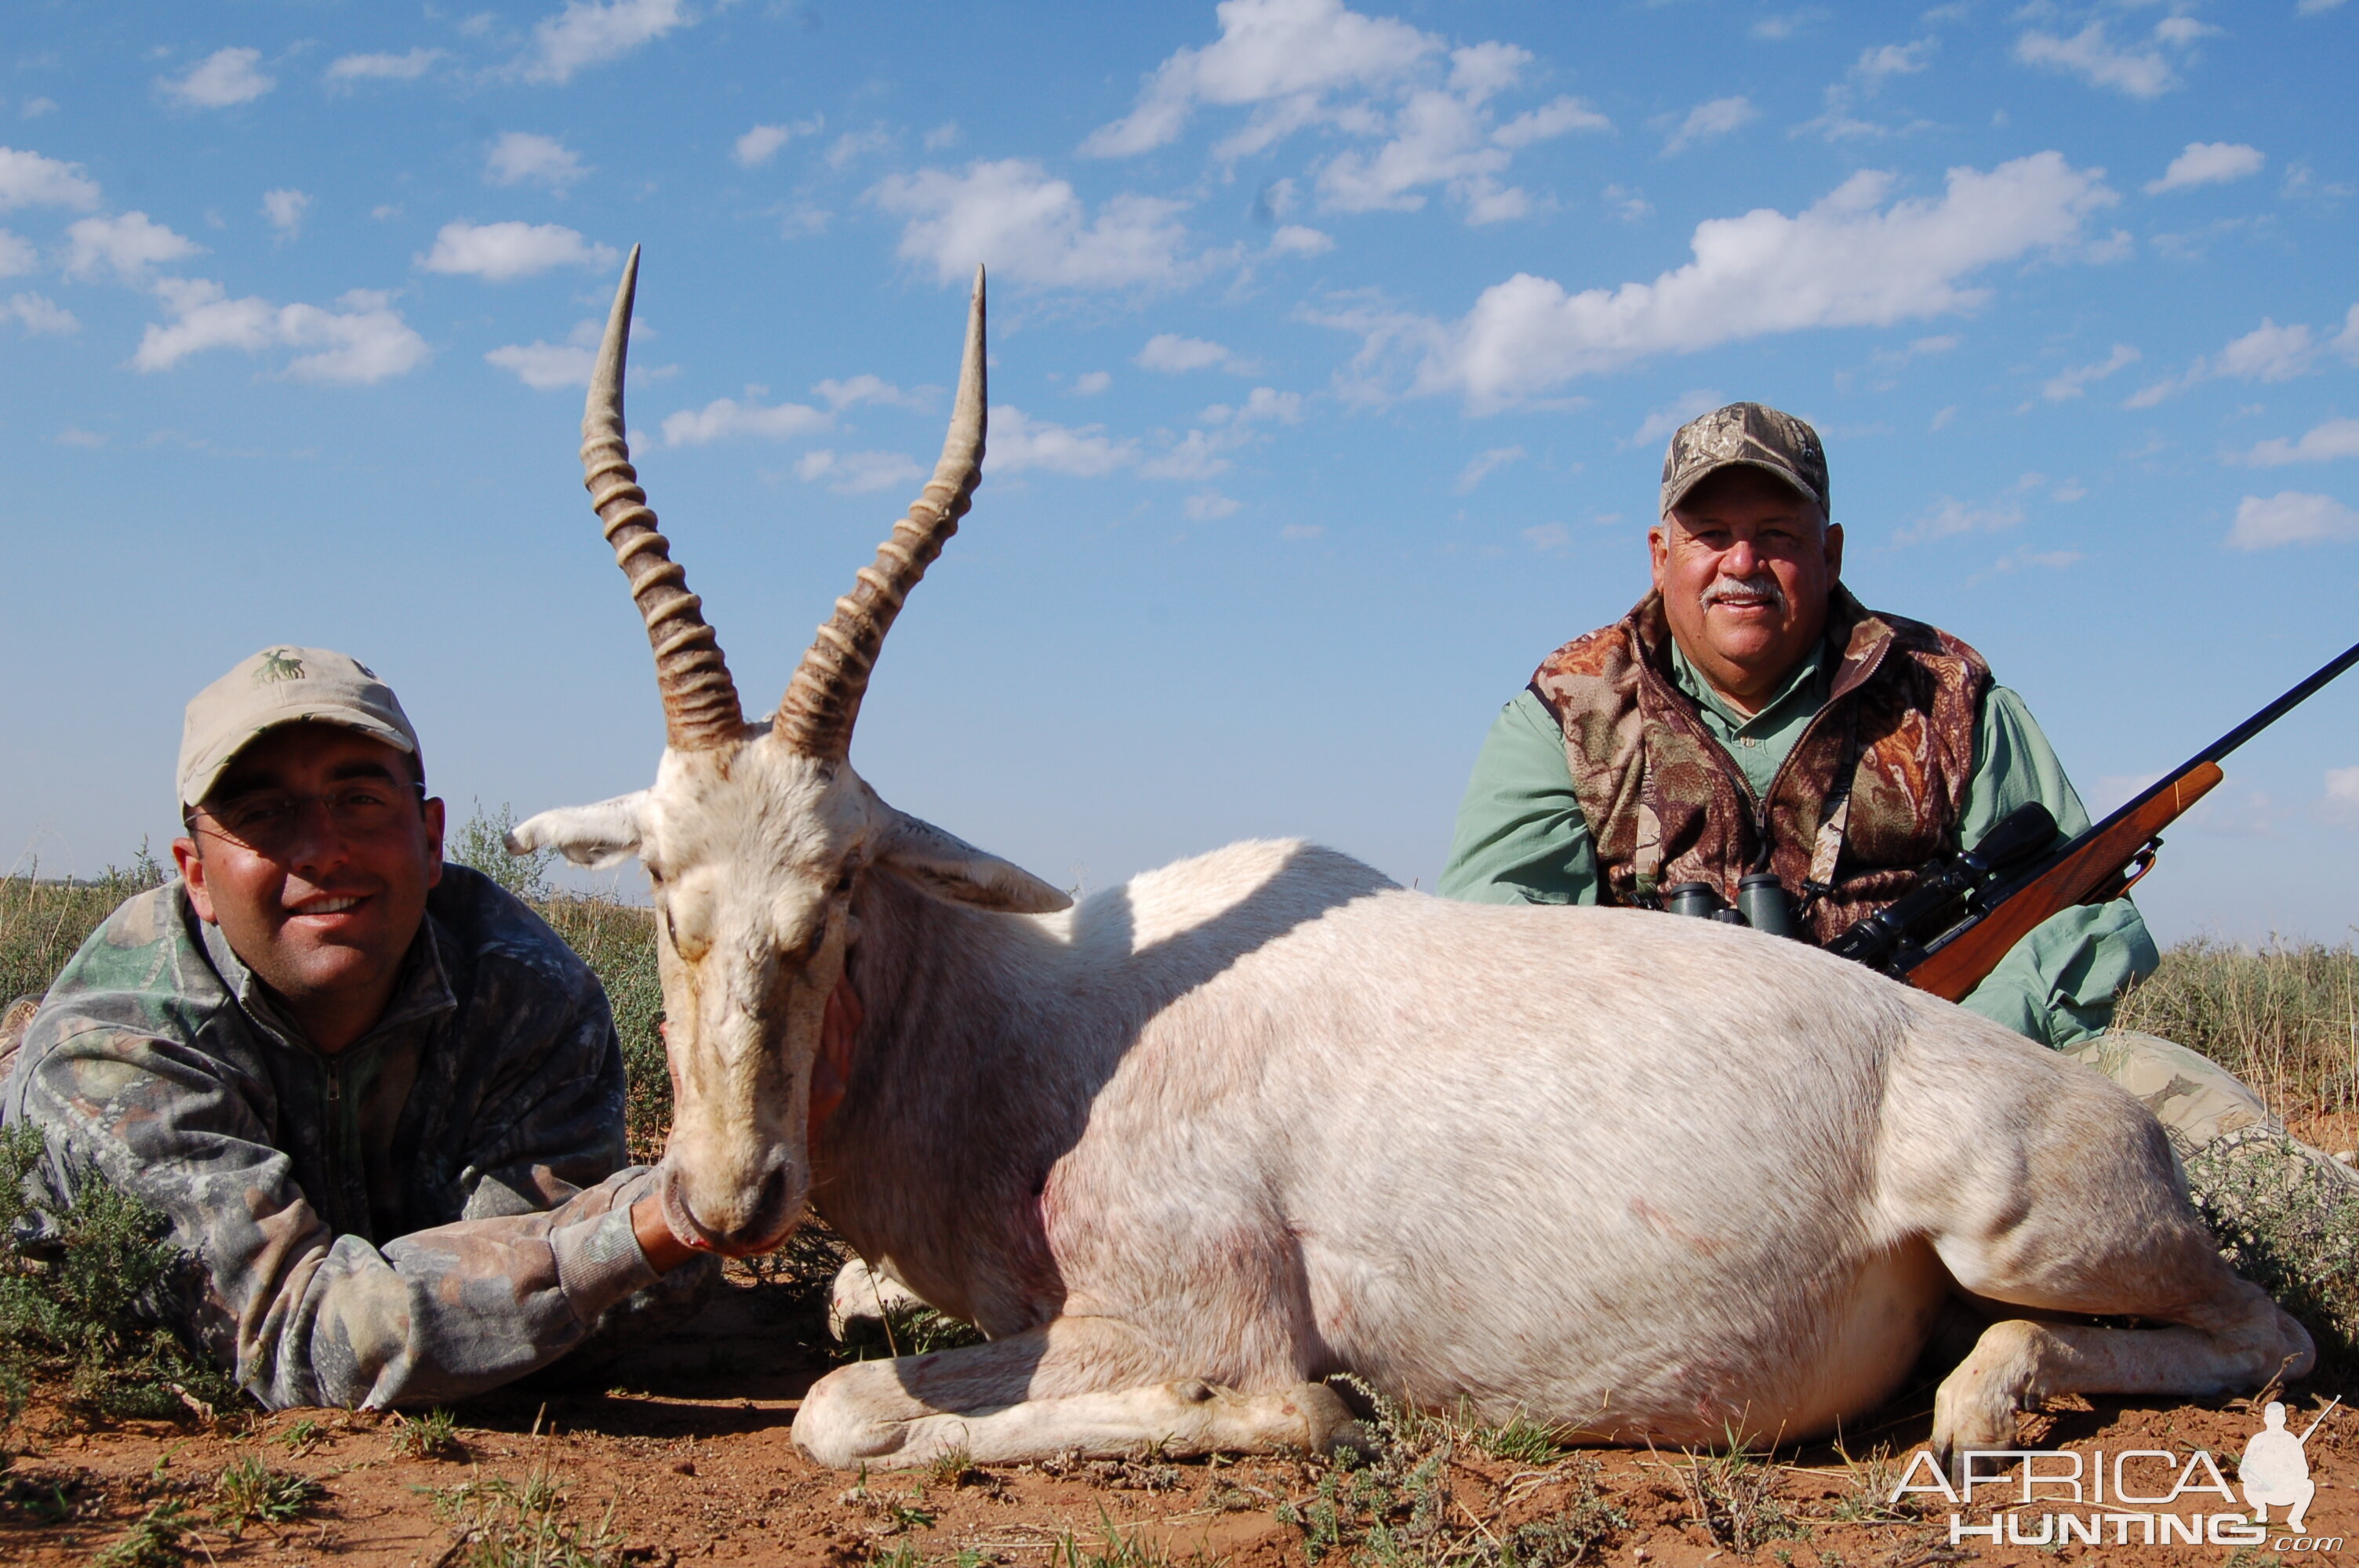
[[1967, 912]]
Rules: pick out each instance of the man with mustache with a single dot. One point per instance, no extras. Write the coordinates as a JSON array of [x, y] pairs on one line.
[[1750, 715], [378, 1100]]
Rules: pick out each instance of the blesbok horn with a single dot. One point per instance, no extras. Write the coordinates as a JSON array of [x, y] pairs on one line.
[[822, 701], [700, 700]]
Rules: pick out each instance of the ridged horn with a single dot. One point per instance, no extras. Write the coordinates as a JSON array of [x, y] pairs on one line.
[[700, 700], [822, 701]]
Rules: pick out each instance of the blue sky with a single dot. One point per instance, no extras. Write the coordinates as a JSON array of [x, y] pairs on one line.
[[1334, 350]]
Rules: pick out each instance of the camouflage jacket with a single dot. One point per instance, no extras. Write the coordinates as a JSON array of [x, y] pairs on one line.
[[439, 1208], [1873, 789]]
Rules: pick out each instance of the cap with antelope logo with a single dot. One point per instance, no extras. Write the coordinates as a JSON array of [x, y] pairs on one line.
[[283, 686]]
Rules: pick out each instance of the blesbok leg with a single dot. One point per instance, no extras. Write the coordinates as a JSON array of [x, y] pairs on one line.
[[1091, 1385]]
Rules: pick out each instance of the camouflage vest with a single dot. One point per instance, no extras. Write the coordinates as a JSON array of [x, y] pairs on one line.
[[1873, 789]]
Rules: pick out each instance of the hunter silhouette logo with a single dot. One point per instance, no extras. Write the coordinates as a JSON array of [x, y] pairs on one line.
[[2275, 1467], [277, 663]]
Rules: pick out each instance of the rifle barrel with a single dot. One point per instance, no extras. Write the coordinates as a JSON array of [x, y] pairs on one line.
[[2238, 736]]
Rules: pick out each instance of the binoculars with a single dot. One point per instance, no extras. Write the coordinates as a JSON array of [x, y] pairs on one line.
[[1762, 902]]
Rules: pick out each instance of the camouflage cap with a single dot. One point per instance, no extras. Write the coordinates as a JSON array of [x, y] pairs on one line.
[[284, 686], [1745, 435]]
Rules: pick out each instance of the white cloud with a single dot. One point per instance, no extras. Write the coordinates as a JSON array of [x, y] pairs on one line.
[[1299, 240], [223, 77], [383, 67], [2324, 443], [859, 389], [1952, 517], [2291, 517], [2071, 383], [520, 155], [1659, 425], [2315, 7], [1302, 531], [2208, 163], [1285, 54], [1483, 464], [2346, 342], [16, 255], [366, 341], [1706, 121], [1630, 206], [1884, 60], [126, 245], [1175, 356], [285, 210], [33, 108], [28, 179], [499, 252], [1446, 136], [727, 417], [856, 473], [2269, 352], [1846, 260], [543, 366], [38, 314], [1548, 539], [855, 144], [1262, 402], [1300, 63], [1210, 506], [588, 33], [2142, 71], [1032, 229], [1089, 383], [1019, 442], [758, 145]]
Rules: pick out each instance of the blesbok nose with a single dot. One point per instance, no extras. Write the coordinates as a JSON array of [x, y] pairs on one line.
[[738, 1218]]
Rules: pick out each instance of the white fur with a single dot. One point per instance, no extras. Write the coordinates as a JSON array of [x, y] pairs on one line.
[[1263, 1117]]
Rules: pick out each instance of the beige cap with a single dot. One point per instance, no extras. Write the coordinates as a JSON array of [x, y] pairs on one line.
[[284, 686]]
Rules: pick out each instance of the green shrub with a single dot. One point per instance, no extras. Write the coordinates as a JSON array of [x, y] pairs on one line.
[[85, 1317]]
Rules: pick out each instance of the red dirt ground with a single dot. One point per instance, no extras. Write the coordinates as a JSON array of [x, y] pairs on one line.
[[689, 1455]]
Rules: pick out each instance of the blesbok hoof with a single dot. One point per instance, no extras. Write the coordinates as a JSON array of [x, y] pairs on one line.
[[1328, 1423]]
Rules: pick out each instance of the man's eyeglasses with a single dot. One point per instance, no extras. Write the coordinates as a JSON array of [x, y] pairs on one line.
[[269, 820]]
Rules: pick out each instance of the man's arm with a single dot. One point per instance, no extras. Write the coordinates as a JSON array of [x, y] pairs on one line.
[[2059, 983], [303, 1315], [1520, 837]]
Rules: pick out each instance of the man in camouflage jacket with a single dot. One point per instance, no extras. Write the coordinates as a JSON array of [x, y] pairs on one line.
[[1750, 715], [378, 1100]]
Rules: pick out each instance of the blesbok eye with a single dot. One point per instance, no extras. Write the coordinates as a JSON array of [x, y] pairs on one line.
[[843, 884]]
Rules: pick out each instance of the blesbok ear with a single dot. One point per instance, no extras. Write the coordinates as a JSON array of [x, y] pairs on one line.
[[952, 868], [596, 836]]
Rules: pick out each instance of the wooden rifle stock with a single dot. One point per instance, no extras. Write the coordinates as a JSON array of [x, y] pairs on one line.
[[2101, 868]]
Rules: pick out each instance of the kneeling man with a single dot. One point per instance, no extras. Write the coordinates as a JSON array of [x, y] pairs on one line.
[[379, 1101], [1751, 715]]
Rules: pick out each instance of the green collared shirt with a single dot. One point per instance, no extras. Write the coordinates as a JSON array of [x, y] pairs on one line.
[[1521, 838]]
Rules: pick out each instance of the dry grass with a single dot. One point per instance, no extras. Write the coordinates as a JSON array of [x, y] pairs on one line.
[[2285, 1019]]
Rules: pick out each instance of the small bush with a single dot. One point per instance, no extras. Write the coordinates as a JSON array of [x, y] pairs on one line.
[[1734, 1494], [434, 1435], [500, 1524], [88, 1316], [2287, 1219], [483, 844], [250, 1492], [156, 1541]]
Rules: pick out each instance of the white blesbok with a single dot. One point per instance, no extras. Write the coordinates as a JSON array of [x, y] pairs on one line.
[[1263, 1117]]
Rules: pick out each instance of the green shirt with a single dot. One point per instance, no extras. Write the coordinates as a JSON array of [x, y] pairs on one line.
[[1521, 840]]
